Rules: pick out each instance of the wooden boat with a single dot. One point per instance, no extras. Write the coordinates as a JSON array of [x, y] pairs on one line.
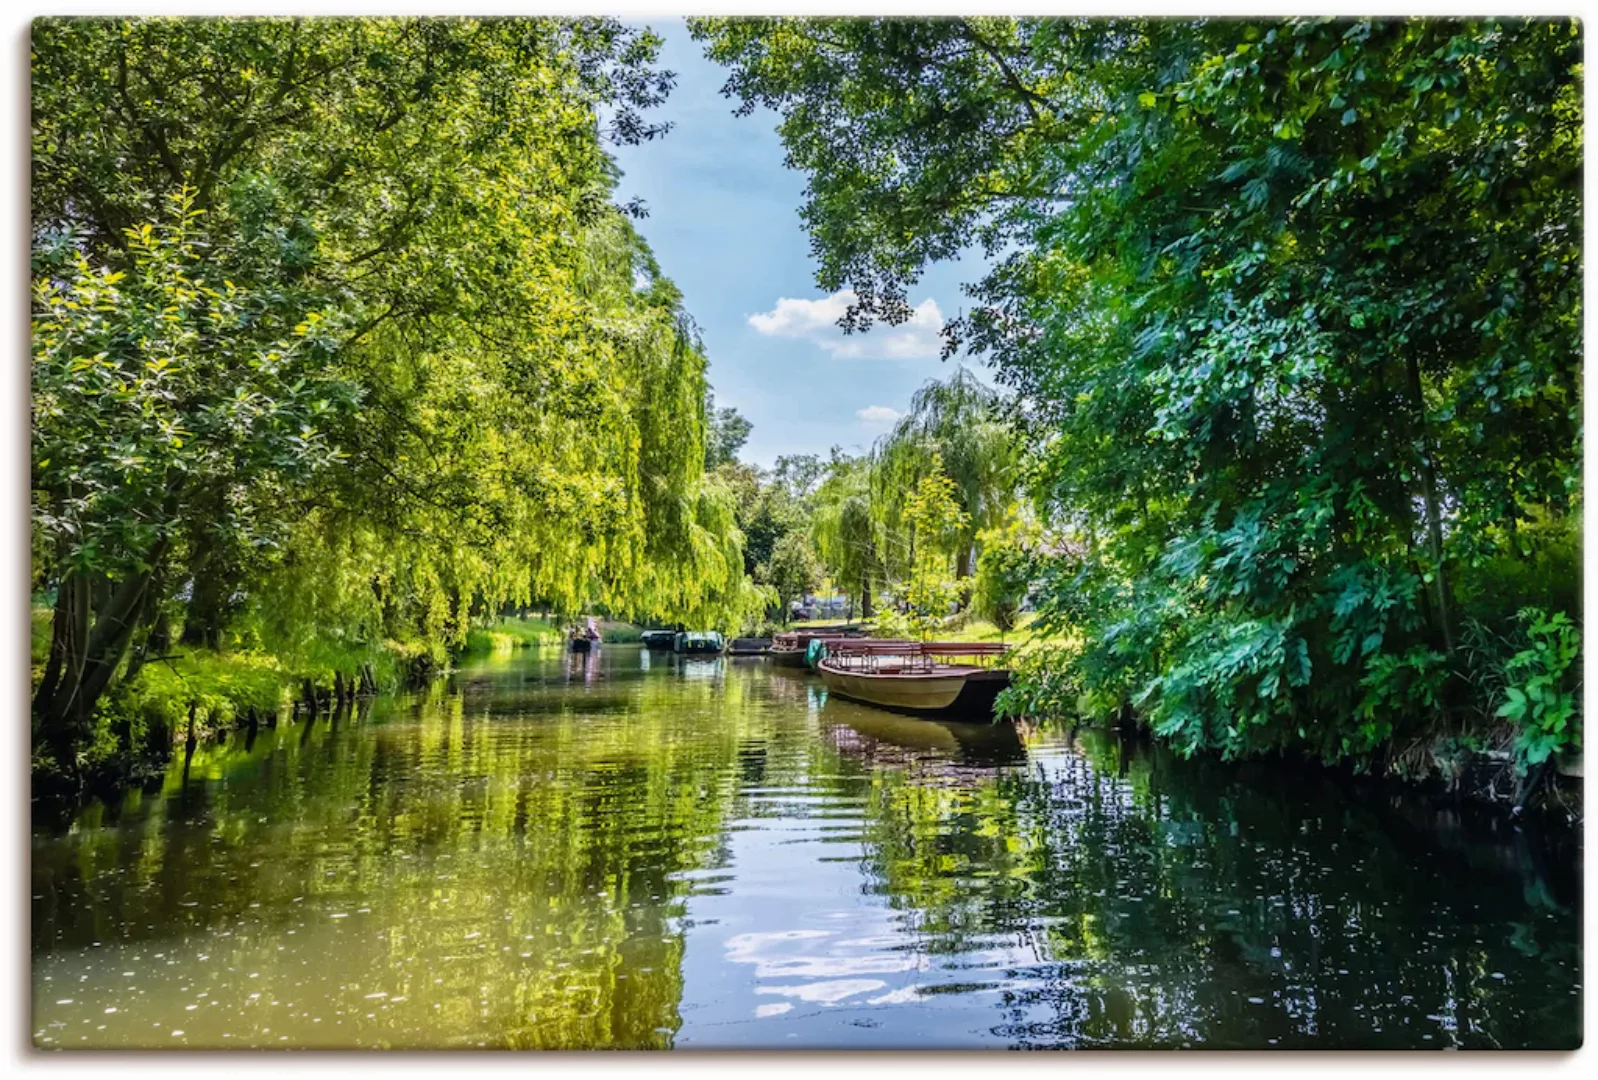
[[698, 641], [749, 646], [924, 678], [792, 647]]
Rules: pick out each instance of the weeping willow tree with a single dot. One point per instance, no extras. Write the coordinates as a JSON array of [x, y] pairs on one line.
[[340, 338], [845, 530], [958, 422]]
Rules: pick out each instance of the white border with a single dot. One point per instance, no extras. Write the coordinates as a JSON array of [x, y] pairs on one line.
[[14, 627]]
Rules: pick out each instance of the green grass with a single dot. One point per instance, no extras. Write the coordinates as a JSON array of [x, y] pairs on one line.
[[620, 633], [505, 636]]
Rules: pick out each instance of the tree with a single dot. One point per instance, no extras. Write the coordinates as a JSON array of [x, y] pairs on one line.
[[1005, 571], [793, 570], [800, 473], [726, 435], [844, 529], [956, 425], [936, 525], [155, 389]]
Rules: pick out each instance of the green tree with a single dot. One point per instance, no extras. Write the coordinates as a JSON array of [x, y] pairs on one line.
[[937, 526], [1005, 571], [154, 388], [726, 433], [955, 425], [845, 530], [793, 570]]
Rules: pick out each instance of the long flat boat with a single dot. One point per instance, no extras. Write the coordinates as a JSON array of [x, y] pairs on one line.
[[951, 680], [791, 647]]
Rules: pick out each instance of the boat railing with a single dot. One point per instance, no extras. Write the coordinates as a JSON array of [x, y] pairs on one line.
[[800, 639], [874, 656]]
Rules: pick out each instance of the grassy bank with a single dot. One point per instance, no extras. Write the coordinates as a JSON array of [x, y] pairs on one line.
[[154, 708], [158, 703], [506, 636]]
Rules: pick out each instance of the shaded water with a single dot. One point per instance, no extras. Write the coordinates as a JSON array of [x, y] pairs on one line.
[[647, 851]]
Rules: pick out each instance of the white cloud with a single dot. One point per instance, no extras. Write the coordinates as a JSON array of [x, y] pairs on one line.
[[879, 415], [816, 321]]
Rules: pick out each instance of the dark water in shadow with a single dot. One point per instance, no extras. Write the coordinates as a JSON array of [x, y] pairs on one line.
[[645, 851]]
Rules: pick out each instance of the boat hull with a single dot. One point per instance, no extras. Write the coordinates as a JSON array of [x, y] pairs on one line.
[[794, 658], [964, 694]]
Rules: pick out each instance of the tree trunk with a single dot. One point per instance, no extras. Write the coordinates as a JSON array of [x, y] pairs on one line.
[[964, 559], [1434, 522], [69, 633], [84, 659], [866, 610]]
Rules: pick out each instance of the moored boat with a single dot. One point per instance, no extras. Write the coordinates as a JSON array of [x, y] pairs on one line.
[[698, 641], [924, 678], [791, 648]]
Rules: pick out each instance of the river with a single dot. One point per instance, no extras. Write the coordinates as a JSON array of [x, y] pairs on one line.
[[640, 850]]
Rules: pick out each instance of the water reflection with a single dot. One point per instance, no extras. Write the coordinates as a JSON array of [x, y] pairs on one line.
[[645, 851]]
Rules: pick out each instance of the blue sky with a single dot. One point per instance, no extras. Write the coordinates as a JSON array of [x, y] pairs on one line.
[[724, 223]]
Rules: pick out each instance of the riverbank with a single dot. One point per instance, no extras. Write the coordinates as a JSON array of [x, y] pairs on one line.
[[187, 696], [1475, 766]]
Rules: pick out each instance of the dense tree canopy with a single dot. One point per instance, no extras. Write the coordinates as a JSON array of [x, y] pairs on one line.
[[1291, 309]]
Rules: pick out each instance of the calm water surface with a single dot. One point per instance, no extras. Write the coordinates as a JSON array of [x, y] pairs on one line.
[[647, 851]]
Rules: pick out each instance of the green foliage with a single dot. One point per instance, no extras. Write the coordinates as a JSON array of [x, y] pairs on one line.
[[794, 569], [1046, 681], [955, 427], [1292, 312], [845, 529], [159, 386], [725, 434], [1005, 570], [937, 526], [1542, 688]]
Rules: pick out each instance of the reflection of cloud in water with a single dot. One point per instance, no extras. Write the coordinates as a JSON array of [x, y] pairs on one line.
[[826, 993], [901, 996], [773, 1008], [827, 959]]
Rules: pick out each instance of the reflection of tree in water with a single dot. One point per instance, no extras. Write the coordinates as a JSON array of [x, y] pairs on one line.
[[528, 876], [511, 864], [1176, 902]]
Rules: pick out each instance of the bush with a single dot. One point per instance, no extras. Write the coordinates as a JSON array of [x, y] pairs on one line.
[[1542, 686]]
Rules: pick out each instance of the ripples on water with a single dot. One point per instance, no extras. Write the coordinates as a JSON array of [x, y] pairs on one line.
[[645, 851]]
